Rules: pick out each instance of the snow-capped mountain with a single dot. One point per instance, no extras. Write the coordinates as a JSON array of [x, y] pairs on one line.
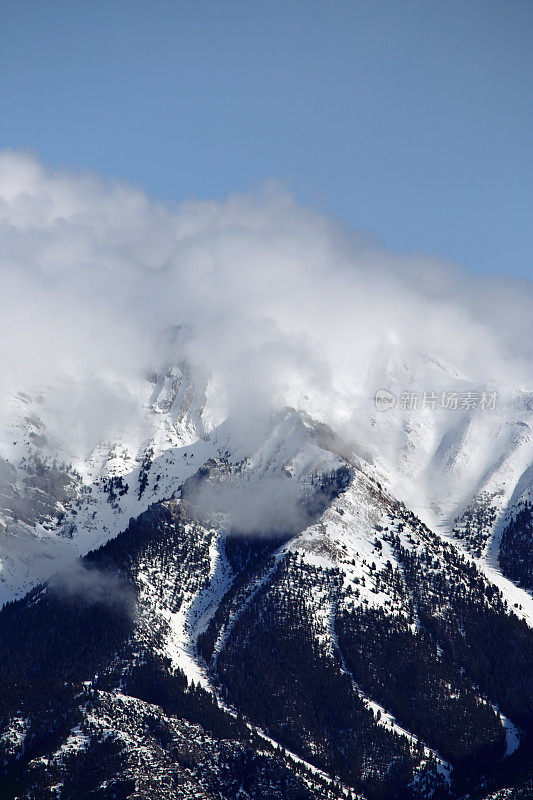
[[465, 470], [338, 596]]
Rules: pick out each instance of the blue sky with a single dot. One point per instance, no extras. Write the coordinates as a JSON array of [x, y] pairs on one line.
[[411, 121]]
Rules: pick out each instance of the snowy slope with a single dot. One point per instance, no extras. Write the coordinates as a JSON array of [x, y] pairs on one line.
[[66, 489]]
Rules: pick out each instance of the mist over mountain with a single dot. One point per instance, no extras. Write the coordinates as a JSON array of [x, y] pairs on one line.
[[281, 305]]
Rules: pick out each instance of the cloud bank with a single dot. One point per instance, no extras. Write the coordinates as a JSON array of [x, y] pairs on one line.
[[282, 305]]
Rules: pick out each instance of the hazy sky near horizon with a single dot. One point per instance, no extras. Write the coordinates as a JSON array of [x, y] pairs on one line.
[[409, 121]]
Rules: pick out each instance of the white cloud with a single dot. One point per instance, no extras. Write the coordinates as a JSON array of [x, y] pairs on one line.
[[283, 305]]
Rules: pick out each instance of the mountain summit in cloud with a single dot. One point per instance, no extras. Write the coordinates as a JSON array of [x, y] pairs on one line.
[[297, 470]]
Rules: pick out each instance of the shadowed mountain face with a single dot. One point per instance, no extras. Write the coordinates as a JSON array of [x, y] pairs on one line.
[[360, 655]]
